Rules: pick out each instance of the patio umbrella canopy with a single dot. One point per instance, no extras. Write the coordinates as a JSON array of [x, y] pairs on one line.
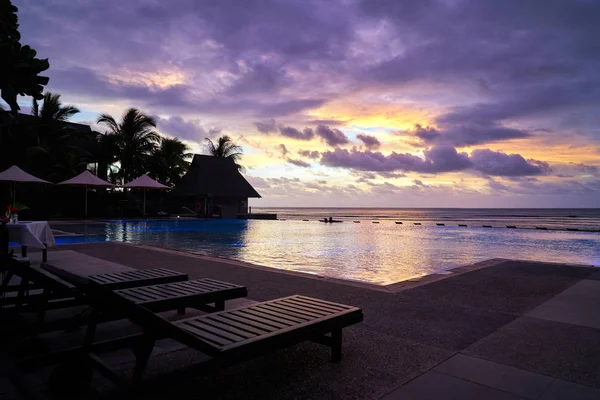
[[144, 182], [15, 174], [86, 179]]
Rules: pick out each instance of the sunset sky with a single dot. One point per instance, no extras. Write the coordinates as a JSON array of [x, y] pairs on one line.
[[374, 103]]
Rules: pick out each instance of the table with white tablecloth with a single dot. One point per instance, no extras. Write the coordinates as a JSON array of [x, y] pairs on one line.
[[36, 234]]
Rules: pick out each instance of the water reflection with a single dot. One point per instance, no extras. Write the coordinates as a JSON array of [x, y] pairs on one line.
[[379, 253]]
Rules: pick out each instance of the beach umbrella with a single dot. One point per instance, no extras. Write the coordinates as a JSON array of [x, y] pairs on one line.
[[144, 182], [87, 179], [14, 175]]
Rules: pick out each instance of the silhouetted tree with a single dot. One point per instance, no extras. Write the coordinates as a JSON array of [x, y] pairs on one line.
[[168, 162], [135, 140], [226, 148], [19, 68]]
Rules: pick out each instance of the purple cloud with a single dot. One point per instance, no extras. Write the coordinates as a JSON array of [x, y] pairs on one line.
[[284, 151], [500, 164], [266, 126], [370, 142], [437, 159], [298, 163], [309, 154], [333, 137], [288, 131]]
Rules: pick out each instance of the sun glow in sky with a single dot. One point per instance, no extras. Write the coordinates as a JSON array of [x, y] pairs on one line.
[[390, 103]]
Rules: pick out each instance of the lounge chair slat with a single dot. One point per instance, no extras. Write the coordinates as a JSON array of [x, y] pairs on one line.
[[157, 291], [237, 324], [279, 315], [140, 295], [134, 297], [323, 302], [270, 319], [206, 336], [145, 293], [312, 305], [170, 289], [276, 308], [194, 286], [307, 300], [216, 331], [251, 320], [217, 283], [302, 310], [208, 285], [229, 328]]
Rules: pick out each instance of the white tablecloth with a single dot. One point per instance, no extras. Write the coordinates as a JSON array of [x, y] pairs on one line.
[[32, 234]]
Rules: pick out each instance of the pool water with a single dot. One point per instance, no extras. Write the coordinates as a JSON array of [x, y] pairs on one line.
[[381, 253]]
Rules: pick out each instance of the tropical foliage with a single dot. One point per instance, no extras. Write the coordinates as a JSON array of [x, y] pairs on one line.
[[169, 161], [133, 140], [225, 148], [19, 67]]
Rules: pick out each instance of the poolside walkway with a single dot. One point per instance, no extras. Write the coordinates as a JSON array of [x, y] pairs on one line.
[[514, 330]]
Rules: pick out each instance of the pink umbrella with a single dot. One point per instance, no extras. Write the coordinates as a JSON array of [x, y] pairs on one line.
[[87, 179], [15, 174], [144, 182]]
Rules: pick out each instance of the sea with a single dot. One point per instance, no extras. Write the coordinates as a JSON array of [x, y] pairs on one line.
[[378, 246]]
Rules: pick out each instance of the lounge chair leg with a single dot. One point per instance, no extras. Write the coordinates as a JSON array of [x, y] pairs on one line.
[[336, 345], [41, 308], [219, 305], [181, 310], [23, 291], [90, 333], [142, 354]]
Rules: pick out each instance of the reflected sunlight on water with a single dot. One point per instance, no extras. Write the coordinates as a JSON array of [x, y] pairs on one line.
[[378, 253]]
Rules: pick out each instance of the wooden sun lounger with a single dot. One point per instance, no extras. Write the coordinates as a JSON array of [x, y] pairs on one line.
[[230, 336], [177, 295], [123, 279]]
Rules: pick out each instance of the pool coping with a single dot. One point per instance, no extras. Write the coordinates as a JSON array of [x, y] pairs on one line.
[[389, 288]]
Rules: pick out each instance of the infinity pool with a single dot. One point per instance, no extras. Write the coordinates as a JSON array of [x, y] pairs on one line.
[[380, 253]]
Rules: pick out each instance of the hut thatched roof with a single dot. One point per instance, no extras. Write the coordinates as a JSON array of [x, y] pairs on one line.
[[214, 176]]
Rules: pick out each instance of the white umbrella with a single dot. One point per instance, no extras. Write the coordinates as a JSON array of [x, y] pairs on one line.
[[15, 174], [87, 179], [144, 182]]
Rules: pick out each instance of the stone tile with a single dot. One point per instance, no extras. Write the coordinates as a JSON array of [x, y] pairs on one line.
[[559, 390], [595, 276], [432, 322], [513, 287], [563, 351], [576, 305], [435, 385], [372, 365], [497, 376]]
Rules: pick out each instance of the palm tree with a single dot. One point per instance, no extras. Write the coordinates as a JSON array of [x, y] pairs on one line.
[[134, 138], [52, 109], [58, 147], [226, 148], [168, 162]]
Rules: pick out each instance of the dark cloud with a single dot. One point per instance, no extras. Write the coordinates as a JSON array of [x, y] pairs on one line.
[[442, 159], [333, 122], [500, 164], [284, 151], [288, 131], [467, 133], [178, 127], [525, 59], [266, 126], [298, 163], [370, 142], [437, 159], [333, 137], [309, 154]]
